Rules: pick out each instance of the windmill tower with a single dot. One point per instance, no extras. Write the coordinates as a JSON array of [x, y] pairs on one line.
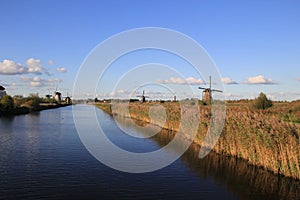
[[57, 95], [207, 92], [68, 99], [143, 97]]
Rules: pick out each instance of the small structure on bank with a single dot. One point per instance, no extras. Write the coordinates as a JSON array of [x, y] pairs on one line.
[[57, 97], [48, 96], [2, 92], [143, 97], [207, 92], [68, 100]]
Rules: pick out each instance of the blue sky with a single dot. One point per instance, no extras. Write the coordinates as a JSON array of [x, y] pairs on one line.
[[254, 44]]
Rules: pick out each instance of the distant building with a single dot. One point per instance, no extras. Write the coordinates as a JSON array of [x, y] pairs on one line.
[[68, 100], [48, 96], [2, 91], [57, 97]]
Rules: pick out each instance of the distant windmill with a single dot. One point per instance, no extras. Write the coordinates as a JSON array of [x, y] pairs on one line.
[[207, 92], [68, 99], [143, 97], [57, 95]]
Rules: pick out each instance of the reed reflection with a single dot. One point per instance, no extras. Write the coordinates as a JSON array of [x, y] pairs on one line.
[[244, 180]]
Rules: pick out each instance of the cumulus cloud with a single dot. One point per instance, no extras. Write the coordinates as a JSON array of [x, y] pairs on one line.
[[35, 67], [9, 67], [259, 80], [61, 69], [37, 84], [228, 81], [194, 81], [40, 82], [180, 81], [172, 80]]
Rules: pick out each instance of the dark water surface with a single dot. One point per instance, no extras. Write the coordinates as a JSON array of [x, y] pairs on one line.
[[41, 156]]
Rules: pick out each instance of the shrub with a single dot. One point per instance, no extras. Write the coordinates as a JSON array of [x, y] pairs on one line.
[[262, 102], [7, 103], [32, 102]]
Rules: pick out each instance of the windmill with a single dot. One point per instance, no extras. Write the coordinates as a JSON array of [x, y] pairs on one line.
[[143, 97], [68, 99], [57, 95], [207, 92]]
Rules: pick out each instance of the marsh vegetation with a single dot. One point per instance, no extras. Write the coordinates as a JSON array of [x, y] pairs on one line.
[[266, 138]]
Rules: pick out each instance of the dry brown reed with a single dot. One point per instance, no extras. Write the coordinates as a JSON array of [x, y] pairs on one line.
[[264, 138]]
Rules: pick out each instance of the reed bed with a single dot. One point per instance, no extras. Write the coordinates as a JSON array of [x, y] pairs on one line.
[[264, 138]]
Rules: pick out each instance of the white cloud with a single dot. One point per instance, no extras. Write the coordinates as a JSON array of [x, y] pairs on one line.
[[61, 69], [228, 81], [194, 81], [51, 62], [35, 67], [9, 67], [36, 84], [55, 80], [259, 80], [39, 82], [172, 80], [180, 81]]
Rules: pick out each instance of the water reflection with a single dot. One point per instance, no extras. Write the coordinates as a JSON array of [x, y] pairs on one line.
[[245, 181], [42, 157]]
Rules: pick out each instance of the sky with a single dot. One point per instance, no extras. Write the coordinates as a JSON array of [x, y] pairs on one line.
[[254, 45]]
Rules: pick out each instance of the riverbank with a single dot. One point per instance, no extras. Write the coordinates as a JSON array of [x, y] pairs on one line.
[[267, 139], [25, 110]]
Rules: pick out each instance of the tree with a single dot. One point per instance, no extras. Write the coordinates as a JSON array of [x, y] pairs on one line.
[[262, 102], [7, 103]]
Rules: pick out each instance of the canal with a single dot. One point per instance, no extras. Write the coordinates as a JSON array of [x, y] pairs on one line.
[[42, 156]]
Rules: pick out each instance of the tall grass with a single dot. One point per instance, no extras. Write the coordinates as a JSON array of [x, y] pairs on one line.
[[264, 138]]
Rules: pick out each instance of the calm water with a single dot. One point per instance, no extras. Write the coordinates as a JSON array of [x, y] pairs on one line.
[[41, 156]]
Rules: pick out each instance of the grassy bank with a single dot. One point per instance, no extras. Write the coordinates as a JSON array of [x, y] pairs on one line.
[[26, 110], [264, 138], [18, 105]]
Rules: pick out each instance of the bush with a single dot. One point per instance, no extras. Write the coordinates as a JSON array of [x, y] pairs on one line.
[[33, 103], [7, 104], [262, 102]]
